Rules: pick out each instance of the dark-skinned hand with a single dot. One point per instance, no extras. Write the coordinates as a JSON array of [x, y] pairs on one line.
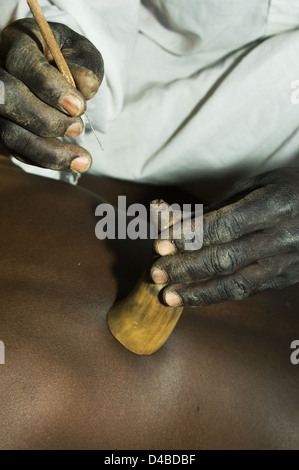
[[249, 245], [40, 105]]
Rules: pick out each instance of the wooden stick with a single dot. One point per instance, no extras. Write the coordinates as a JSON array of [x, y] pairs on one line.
[[50, 41], [53, 47]]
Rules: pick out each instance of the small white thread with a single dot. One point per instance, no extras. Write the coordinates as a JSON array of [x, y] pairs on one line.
[[89, 122]]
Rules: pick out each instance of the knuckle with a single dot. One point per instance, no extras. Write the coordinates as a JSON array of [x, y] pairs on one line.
[[289, 238], [232, 226], [180, 268], [284, 198], [191, 270], [15, 40], [197, 296], [287, 271], [236, 226], [236, 288], [8, 133], [4, 128], [291, 199], [18, 141], [224, 260], [226, 225]]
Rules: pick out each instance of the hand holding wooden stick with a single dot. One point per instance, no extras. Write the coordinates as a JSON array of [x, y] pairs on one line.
[[55, 50], [51, 41]]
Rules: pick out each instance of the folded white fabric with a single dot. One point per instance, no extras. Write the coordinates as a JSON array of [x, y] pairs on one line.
[[193, 91]]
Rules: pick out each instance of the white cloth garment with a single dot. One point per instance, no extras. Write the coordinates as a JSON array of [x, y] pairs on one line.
[[195, 91]]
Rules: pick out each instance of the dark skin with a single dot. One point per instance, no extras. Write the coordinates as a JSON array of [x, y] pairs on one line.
[[40, 105], [223, 380], [249, 246]]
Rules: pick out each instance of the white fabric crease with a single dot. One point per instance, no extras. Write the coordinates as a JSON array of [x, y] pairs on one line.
[[193, 90]]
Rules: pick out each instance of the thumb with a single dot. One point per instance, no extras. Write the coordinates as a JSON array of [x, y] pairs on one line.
[[26, 57], [83, 58]]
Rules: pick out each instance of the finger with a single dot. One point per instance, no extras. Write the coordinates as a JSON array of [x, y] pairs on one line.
[[24, 49], [261, 209], [165, 247], [241, 188], [186, 235], [226, 258], [183, 231], [22, 107], [83, 58], [273, 273], [44, 152]]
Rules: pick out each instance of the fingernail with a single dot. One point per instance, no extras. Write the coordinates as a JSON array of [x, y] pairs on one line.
[[81, 164], [74, 130], [165, 247], [173, 299], [72, 105], [159, 276]]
